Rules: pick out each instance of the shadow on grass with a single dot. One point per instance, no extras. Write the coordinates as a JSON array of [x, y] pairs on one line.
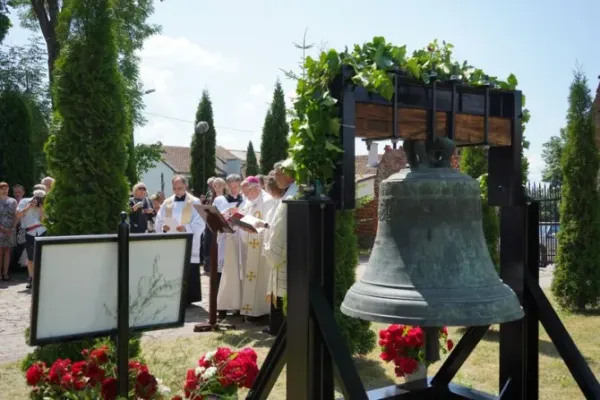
[[247, 335], [372, 374]]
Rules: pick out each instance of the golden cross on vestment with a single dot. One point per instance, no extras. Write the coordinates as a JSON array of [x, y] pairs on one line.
[[257, 214], [250, 276], [254, 243], [247, 308]]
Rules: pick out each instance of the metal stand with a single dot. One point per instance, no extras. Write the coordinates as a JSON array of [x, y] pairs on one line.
[[212, 324], [123, 308]]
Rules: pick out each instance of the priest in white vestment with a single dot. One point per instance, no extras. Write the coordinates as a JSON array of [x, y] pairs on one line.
[[275, 249], [177, 214], [229, 297], [256, 271]]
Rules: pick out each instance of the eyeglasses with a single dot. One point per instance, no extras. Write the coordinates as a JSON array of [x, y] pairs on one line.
[[142, 188]]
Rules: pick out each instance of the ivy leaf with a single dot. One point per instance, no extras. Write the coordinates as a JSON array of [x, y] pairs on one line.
[[512, 81], [327, 100], [330, 146], [413, 67], [305, 127]]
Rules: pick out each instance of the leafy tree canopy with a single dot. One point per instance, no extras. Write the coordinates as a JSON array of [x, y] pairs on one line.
[[552, 152], [251, 162], [203, 147]]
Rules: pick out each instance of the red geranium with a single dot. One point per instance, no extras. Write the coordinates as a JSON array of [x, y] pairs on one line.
[[221, 372], [405, 346]]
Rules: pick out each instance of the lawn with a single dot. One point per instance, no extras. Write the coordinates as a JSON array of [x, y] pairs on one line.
[[170, 358]]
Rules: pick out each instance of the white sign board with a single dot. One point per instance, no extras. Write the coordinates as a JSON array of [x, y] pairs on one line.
[[75, 285]]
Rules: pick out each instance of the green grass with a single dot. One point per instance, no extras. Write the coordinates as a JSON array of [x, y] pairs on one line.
[[169, 359]]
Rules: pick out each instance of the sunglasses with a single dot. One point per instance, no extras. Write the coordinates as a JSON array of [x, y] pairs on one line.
[[142, 188]]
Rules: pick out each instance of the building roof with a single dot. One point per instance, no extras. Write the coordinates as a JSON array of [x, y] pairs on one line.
[[178, 159]]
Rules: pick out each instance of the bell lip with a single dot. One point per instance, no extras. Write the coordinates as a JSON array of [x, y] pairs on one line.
[[424, 322]]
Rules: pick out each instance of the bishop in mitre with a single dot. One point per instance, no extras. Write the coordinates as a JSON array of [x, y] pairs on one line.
[[177, 214], [229, 296], [256, 271]]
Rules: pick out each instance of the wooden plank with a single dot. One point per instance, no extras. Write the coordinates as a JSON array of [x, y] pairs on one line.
[[375, 121]]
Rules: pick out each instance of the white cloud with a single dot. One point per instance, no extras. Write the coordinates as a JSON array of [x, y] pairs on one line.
[[166, 51], [536, 166], [165, 131], [258, 90], [155, 78], [247, 107]]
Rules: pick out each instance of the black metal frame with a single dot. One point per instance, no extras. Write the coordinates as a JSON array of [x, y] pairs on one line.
[[41, 242], [315, 342]]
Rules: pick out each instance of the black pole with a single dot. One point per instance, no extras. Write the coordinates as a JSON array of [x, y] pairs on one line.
[[204, 163], [123, 308]]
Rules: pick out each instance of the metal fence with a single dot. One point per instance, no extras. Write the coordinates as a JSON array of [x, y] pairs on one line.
[[549, 198]]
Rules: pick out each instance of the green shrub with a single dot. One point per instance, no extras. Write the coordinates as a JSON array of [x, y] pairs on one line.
[[576, 282], [72, 351], [358, 334]]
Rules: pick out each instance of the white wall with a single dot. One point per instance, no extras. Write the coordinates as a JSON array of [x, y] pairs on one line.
[[365, 188], [152, 178]]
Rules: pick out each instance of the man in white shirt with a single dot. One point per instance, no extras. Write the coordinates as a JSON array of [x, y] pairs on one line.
[[255, 269], [177, 213], [30, 212], [276, 249]]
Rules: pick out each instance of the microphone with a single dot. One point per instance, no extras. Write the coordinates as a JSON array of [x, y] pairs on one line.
[[202, 127]]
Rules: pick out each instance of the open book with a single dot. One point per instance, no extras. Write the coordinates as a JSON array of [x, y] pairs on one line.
[[248, 223]]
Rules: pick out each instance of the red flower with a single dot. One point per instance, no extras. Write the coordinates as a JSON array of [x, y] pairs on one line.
[[100, 355], [191, 382], [35, 373], [408, 365], [145, 385], [223, 354], [444, 330], [450, 344], [57, 370], [110, 389], [94, 373]]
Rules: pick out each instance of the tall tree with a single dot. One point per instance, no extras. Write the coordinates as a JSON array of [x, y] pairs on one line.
[[87, 154], [16, 153], [5, 23], [251, 163], [552, 152], [576, 282], [204, 146], [274, 144], [131, 28]]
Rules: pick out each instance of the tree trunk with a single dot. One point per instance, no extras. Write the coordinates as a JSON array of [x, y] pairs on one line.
[[47, 15]]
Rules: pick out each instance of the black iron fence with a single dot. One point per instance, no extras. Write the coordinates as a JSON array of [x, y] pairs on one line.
[[549, 199]]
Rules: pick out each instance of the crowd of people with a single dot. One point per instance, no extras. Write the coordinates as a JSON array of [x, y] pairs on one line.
[[20, 223], [251, 265]]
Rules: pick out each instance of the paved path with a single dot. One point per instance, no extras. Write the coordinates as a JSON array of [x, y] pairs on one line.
[[15, 302]]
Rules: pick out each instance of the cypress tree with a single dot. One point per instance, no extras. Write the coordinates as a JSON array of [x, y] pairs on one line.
[[251, 163], [87, 155], [204, 146], [266, 165], [474, 162], [274, 143], [16, 151], [576, 282]]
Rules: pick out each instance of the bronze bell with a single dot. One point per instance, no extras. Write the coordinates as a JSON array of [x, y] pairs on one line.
[[430, 265]]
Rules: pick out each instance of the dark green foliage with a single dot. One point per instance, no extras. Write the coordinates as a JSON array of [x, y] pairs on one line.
[[474, 162], [274, 141], [552, 154], [147, 156], [204, 147], [359, 336], [72, 351], [87, 154], [576, 282], [16, 151], [131, 171], [4, 20], [39, 136], [251, 163]]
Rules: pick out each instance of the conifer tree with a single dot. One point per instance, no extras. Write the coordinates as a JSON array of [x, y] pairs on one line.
[[576, 282], [203, 148], [274, 142], [16, 151], [87, 154], [251, 163]]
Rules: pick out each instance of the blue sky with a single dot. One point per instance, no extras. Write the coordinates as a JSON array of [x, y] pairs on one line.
[[237, 48]]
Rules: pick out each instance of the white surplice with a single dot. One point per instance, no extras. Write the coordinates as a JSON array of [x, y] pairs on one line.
[[229, 296], [275, 247], [255, 267], [195, 224]]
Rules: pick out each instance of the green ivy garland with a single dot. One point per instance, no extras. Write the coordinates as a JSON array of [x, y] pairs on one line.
[[314, 142]]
